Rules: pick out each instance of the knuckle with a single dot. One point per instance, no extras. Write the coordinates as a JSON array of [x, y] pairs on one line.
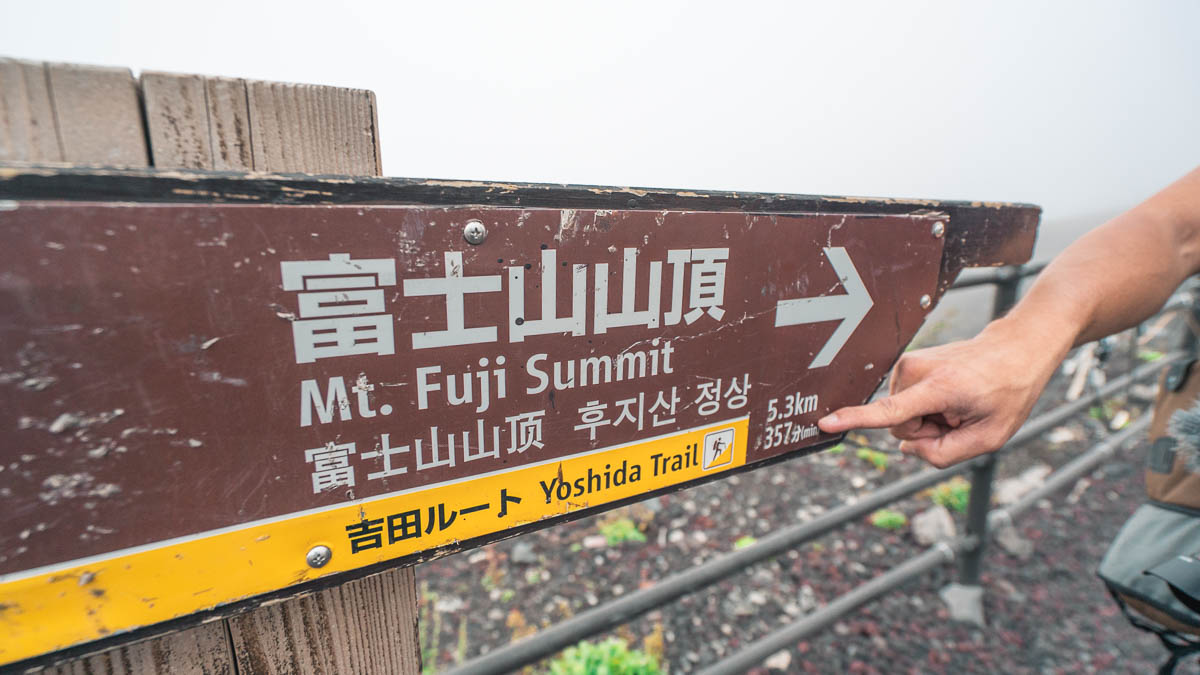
[[889, 407], [904, 430], [913, 363], [937, 457]]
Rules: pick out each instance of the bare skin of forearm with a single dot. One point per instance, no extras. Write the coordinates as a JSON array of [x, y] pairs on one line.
[[955, 401], [1118, 274]]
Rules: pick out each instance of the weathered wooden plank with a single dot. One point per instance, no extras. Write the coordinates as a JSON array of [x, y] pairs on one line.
[[203, 650], [27, 131], [373, 120], [370, 624], [177, 121], [364, 626], [98, 115], [93, 114], [197, 122], [312, 129], [229, 124]]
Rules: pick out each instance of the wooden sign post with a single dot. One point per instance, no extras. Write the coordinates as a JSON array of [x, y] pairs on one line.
[[229, 396], [82, 115]]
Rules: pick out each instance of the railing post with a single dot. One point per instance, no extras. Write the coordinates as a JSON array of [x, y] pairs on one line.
[[1007, 291], [971, 562]]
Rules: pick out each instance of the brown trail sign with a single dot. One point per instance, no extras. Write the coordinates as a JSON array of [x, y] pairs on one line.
[[222, 388]]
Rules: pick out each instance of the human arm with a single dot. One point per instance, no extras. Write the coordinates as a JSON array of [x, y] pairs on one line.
[[955, 401]]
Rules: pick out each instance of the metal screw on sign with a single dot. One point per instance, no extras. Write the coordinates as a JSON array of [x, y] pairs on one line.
[[939, 229], [926, 302], [318, 556], [475, 233]]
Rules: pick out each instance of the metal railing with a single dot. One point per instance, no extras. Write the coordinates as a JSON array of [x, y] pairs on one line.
[[967, 549]]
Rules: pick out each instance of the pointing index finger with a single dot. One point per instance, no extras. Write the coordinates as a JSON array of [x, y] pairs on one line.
[[889, 411]]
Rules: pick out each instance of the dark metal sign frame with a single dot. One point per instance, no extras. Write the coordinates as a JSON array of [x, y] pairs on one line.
[[811, 243]]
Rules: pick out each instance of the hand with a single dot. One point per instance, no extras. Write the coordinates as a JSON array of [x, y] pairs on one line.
[[956, 401]]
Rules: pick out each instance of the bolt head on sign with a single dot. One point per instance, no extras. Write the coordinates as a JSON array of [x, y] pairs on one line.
[[475, 233], [206, 403], [318, 556]]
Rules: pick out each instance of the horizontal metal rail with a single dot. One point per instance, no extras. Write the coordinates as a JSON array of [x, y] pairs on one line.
[[1043, 423], [997, 275], [759, 650], [627, 607], [1070, 472], [1174, 304]]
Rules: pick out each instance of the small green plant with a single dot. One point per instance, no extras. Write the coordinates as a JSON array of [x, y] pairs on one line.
[[575, 547], [745, 541], [460, 649], [430, 629], [886, 519], [612, 656], [954, 494], [507, 595], [621, 530], [876, 458], [838, 449], [1104, 412], [1149, 355], [488, 583], [654, 643]]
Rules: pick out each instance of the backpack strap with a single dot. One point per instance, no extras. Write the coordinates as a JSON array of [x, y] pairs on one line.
[[1178, 654], [1179, 645], [1182, 575], [1171, 471]]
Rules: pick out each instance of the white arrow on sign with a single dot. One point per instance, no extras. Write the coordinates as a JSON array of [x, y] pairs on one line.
[[850, 308]]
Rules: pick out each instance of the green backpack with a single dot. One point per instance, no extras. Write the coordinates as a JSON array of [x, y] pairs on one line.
[[1151, 568]]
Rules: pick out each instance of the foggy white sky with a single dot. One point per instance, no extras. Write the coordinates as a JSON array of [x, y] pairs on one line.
[[1082, 107]]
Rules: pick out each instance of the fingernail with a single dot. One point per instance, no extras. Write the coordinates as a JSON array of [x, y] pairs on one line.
[[906, 447], [828, 420]]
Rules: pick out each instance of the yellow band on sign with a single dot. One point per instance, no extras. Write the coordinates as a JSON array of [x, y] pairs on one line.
[[56, 607]]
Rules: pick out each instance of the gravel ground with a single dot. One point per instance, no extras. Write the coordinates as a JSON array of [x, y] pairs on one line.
[[1047, 613]]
